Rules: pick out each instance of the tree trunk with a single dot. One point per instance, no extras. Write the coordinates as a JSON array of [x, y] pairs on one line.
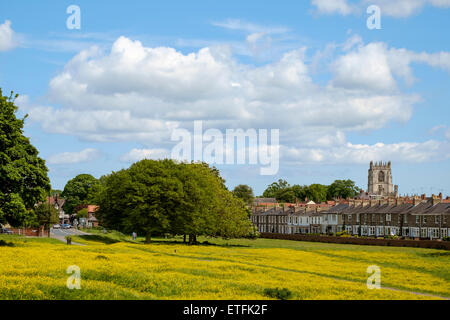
[[148, 237], [191, 239], [184, 238], [195, 239]]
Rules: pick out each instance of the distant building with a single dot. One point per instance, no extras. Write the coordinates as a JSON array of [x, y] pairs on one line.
[[58, 204], [380, 180], [91, 221]]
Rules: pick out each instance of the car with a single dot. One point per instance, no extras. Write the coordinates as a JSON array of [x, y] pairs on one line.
[[66, 226], [56, 226], [5, 231]]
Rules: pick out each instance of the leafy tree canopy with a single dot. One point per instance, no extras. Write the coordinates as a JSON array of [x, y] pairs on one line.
[[23, 175], [284, 192], [343, 189], [154, 197], [46, 215], [79, 190], [244, 192]]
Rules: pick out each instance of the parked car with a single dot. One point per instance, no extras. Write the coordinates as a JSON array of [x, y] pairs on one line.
[[56, 226], [5, 231], [66, 226]]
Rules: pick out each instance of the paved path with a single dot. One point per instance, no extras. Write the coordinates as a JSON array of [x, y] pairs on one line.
[[61, 234]]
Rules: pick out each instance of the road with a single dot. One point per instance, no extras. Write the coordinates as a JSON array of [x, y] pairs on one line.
[[60, 234]]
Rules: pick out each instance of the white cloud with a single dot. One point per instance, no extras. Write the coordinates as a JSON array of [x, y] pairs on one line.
[[447, 134], [8, 38], [140, 154], [333, 6], [365, 68], [396, 9], [437, 128], [140, 94], [236, 24], [410, 152], [85, 155], [373, 66]]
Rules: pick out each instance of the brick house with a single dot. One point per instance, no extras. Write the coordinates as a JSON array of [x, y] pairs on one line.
[[416, 218], [91, 221]]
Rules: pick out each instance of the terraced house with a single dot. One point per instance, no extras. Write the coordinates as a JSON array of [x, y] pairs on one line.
[[380, 212], [417, 217], [424, 218]]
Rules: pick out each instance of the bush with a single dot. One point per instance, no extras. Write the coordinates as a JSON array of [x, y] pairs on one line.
[[446, 238], [282, 294], [3, 243]]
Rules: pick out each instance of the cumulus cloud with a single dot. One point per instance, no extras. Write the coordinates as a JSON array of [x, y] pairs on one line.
[[410, 152], [85, 155], [396, 9], [141, 94], [373, 66], [8, 38], [140, 154]]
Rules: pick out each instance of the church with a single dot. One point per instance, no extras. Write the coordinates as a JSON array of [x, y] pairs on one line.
[[380, 181]]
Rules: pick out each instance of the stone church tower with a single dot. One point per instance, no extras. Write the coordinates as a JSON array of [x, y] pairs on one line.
[[380, 180]]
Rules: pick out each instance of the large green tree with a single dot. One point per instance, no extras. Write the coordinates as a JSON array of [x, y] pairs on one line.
[[244, 192], [154, 197], [23, 175], [343, 189], [317, 192], [280, 190], [79, 190], [46, 215]]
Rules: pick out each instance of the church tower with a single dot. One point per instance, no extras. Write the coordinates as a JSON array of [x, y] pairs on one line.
[[380, 179]]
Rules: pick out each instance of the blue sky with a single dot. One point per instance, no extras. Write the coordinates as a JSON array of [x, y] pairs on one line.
[[340, 94]]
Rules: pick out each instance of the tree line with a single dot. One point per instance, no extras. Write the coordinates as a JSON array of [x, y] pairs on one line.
[[284, 192]]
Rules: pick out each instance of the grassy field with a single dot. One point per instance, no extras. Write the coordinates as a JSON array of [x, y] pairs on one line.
[[114, 267]]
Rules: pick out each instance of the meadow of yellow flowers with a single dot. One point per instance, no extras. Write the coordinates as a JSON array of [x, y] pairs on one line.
[[235, 269]]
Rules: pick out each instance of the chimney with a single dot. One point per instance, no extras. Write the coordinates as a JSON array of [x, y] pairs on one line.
[[435, 199], [416, 200]]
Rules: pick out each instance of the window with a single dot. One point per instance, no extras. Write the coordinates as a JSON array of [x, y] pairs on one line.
[[436, 219], [424, 219], [405, 218], [388, 217], [381, 218], [357, 217], [417, 219], [423, 232], [381, 176]]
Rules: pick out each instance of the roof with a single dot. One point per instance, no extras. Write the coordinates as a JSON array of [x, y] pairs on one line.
[[264, 200], [420, 209]]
